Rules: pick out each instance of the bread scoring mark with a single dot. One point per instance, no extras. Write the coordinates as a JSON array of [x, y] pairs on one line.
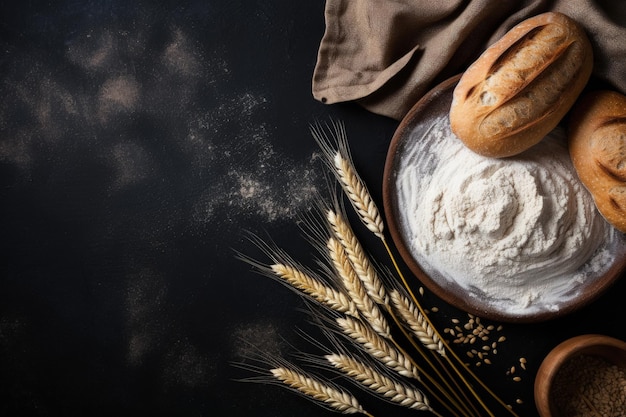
[[617, 197], [509, 56], [524, 60], [609, 172], [470, 92], [608, 145], [612, 121], [537, 96]]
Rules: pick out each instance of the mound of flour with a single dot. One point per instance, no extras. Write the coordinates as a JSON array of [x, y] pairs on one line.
[[520, 232]]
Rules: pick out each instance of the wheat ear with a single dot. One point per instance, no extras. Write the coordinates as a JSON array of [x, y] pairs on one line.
[[369, 377], [345, 270], [417, 322], [314, 288], [360, 261], [332, 397], [340, 162], [358, 194], [378, 347]]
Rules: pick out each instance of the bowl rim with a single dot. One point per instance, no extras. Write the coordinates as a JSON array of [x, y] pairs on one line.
[[608, 347], [592, 292]]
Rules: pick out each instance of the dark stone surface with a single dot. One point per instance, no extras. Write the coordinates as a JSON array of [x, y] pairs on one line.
[[139, 142]]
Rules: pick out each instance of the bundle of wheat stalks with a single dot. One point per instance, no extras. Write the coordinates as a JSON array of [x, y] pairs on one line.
[[379, 336]]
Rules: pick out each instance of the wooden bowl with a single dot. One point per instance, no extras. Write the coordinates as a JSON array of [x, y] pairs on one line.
[[611, 349], [416, 125]]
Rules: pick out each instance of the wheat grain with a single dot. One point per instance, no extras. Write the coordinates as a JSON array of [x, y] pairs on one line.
[[522, 363], [474, 330], [362, 265], [369, 377], [332, 397], [367, 308], [590, 385], [417, 323], [378, 347], [316, 289]]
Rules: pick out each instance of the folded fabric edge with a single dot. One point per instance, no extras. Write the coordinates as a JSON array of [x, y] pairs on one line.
[[330, 92]]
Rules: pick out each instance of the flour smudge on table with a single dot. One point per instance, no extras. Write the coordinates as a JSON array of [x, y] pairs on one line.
[[117, 95], [146, 318], [186, 365], [152, 332], [250, 339]]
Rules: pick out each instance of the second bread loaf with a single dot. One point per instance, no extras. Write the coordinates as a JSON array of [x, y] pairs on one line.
[[597, 145]]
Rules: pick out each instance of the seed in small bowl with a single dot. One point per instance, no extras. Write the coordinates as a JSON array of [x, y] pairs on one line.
[[583, 376]]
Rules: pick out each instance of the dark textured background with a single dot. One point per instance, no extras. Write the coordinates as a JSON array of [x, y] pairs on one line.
[[138, 142]]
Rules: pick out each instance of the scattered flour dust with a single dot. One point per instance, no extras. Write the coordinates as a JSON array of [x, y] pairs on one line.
[[520, 232], [258, 181], [185, 365], [249, 339], [274, 200], [147, 322], [151, 331], [268, 195], [218, 132], [131, 165], [117, 95]]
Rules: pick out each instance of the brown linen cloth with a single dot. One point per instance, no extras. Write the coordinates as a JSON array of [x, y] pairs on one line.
[[386, 54]]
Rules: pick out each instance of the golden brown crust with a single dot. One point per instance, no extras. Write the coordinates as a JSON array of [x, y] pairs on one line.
[[521, 87], [597, 145]]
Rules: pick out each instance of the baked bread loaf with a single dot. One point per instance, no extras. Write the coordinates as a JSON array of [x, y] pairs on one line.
[[521, 87], [597, 145]]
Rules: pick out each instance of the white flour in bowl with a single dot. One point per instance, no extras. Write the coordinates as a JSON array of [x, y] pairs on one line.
[[520, 232]]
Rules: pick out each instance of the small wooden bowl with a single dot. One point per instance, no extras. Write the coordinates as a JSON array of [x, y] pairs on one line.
[[611, 349]]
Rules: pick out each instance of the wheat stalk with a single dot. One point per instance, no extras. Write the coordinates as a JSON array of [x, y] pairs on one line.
[[367, 308], [378, 347], [416, 321], [369, 377], [361, 263], [332, 397], [316, 289]]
